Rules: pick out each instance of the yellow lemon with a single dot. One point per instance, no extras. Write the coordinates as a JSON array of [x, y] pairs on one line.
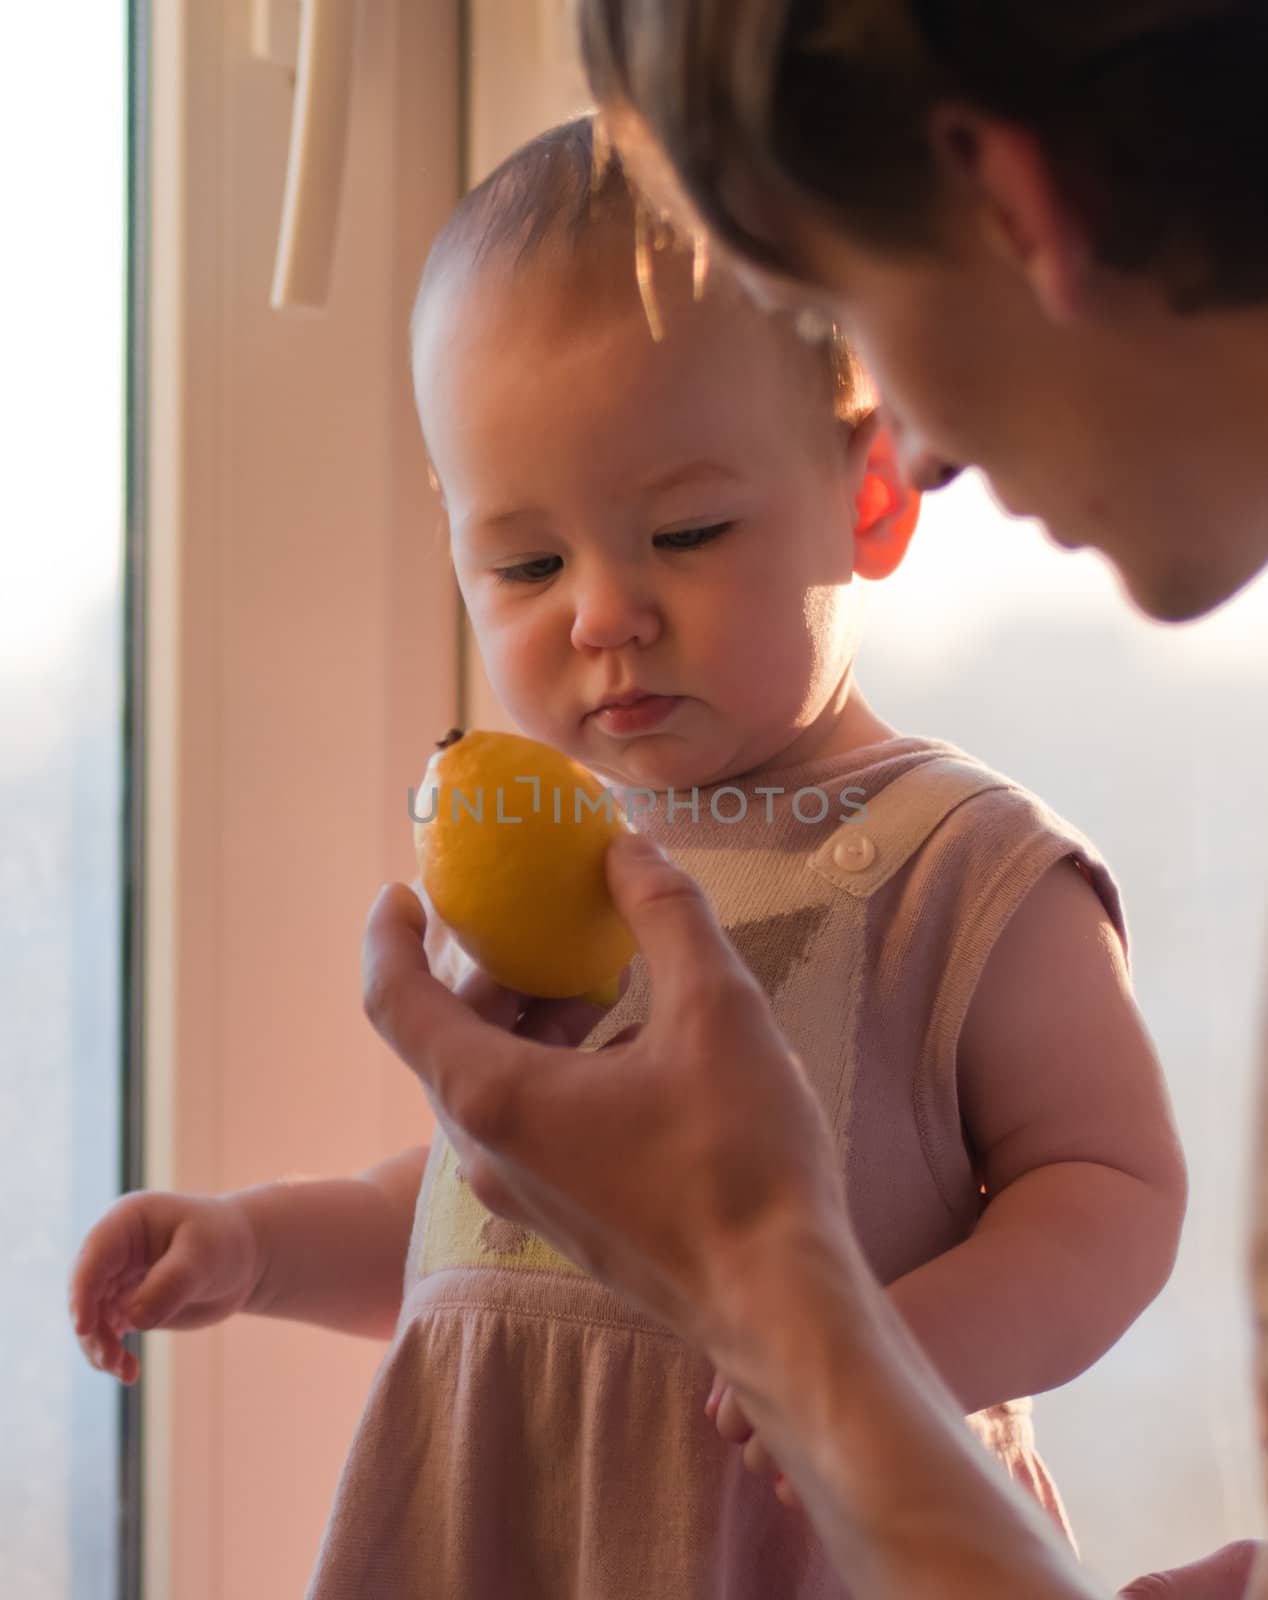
[[510, 838]]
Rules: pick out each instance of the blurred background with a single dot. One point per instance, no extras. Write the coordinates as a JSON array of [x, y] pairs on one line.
[[228, 635], [1151, 740]]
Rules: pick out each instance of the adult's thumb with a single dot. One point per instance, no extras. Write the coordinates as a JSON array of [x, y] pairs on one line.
[[670, 918]]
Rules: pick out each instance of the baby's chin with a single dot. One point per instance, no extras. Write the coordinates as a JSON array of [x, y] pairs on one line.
[[658, 762]]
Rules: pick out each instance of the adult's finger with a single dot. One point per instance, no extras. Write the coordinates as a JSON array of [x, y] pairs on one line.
[[558, 1022], [672, 923], [707, 1094], [562, 1022], [1224, 1575], [472, 1067]]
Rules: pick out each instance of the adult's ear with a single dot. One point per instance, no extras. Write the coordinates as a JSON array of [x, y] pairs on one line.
[[886, 510], [1002, 169]]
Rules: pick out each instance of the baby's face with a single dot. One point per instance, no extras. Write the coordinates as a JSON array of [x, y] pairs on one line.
[[672, 520]]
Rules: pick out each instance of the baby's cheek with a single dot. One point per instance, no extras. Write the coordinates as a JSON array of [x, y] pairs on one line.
[[768, 668], [530, 672]]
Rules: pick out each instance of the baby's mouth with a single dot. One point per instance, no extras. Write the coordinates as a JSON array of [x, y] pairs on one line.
[[634, 712]]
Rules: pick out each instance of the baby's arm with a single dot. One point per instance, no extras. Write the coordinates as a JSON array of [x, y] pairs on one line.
[[327, 1251], [332, 1250], [1070, 1119], [1066, 1109]]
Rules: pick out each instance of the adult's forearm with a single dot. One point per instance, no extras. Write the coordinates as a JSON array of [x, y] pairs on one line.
[[906, 1501], [1062, 1263], [333, 1250]]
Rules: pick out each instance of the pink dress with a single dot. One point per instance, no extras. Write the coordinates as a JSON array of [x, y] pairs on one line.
[[531, 1434]]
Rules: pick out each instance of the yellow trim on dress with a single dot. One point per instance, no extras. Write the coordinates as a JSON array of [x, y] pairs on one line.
[[459, 1232]]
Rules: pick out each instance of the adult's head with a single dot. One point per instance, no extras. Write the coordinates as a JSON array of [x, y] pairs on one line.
[[1044, 224]]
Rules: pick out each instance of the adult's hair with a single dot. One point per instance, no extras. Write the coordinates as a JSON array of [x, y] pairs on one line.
[[556, 189], [1152, 113]]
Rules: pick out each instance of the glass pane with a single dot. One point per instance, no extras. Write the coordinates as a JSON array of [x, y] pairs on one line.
[[1144, 736], [63, 101]]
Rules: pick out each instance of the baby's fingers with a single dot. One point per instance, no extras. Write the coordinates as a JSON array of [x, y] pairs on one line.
[[734, 1426], [730, 1420], [104, 1258], [104, 1274], [169, 1286], [785, 1492], [127, 1309], [102, 1344], [758, 1459]]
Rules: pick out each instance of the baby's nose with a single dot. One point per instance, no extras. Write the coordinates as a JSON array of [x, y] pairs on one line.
[[612, 612]]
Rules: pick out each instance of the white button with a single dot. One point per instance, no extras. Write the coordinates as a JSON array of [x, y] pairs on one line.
[[854, 852]]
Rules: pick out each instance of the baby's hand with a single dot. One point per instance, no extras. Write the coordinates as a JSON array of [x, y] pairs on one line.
[[158, 1260], [729, 1419]]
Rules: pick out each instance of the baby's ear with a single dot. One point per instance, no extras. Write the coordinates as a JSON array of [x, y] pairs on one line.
[[886, 509]]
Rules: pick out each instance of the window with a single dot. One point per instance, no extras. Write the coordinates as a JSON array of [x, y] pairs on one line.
[[301, 657], [1144, 736], [62, 780]]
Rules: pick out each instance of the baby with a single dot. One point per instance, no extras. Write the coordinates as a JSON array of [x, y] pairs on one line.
[[658, 501]]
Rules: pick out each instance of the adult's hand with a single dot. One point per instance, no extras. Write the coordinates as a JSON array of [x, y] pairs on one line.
[[688, 1165], [653, 1163], [1222, 1576]]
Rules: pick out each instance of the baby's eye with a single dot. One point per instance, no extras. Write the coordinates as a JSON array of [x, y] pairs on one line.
[[536, 571], [691, 538]]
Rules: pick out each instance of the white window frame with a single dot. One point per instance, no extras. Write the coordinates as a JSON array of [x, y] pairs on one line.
[[301, 630]]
